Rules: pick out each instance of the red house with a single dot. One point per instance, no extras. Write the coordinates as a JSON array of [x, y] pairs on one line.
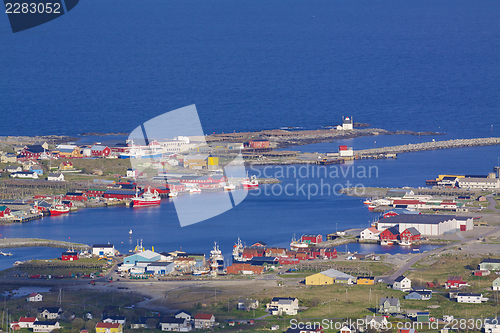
[[391, 233], [76, 196], [70, 256], [259, 143], [101, 151], [32, 152], [249, 253], [95, 193], [454, 282], [410, 235], [331, 253], [4, 211], [311, 239], [244, 268]]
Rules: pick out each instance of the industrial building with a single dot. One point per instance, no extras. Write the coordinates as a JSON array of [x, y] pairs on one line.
[[328, 277], [427, 225]]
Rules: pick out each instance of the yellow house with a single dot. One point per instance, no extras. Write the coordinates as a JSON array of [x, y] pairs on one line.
[[369, 280], [66, 166], [109, 327], [319, 279]]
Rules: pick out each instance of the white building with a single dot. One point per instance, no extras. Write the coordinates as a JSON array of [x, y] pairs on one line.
[[45, 326], [204, 320], [35, 297], [283, 305], [26, 322], [496, 284], [479, 183], [103, 250], [175, 324], [492, 325], [370, 234], [345, 151], [427, 225], [56, 176], [347, 123], [184, 314], [24, 174], [470, 298], [115, 320], [402, 283]]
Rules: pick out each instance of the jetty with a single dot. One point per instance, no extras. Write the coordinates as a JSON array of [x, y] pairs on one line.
[[31, 242], [432, 145]]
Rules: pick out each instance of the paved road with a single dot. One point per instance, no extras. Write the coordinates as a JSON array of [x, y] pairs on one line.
[[416, 258], [492, 202]]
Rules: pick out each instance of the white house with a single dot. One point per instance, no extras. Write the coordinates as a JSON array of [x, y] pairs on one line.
[[492, 325], [12, 169], [286, 305], [103, 250], [24, 174], [115, 320], [49, 312], [204, 321], [34, 297], [470, 298], [26, 322], [479, 183], [402, 283], [184, 314], [370, 234], [175, 324], [496, 284], [45, 326], [132, 173], [56, 176], [376, 322]]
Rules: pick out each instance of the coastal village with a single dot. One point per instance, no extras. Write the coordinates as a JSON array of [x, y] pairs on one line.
[[260, 287]]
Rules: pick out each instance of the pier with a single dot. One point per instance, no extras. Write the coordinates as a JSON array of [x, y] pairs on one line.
[[432, 145], [31, 242]]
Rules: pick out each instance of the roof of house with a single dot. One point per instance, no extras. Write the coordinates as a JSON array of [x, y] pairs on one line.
[[52, 309], [107, 325], [378, 319], [374, 230], [103, 245], [392, 230], [55, 174], [413, 231], [182, 311], [366, 277], [469, 294], [400, 278], [115, 318], [205, 316], [27, 319], [172, 320], [277, 299], [34, 149], [44, 323], [477, 180], [454, 278], [421, 292], [33, 294], [333, 273], [392, 301], [492, 261], [423, 218], [98, 147]]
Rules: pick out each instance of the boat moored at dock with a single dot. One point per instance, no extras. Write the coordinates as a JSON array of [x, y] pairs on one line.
[[148, 198]]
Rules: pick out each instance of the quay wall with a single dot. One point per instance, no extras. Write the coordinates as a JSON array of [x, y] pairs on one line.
[[431, 146]]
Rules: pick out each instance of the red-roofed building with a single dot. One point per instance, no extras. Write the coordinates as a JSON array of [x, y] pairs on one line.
[[26, 322], [259, 143], [370, 234], [101, 151], [204, 320], [389, 234], [244, 269], [311, 239], [34, 297], [410, 235], [455, 282], [249, 253]]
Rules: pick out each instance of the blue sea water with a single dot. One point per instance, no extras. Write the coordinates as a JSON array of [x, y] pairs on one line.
[[108, 66]]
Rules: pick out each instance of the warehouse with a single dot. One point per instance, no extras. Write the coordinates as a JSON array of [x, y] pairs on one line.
[[428, 225], [328, 277]]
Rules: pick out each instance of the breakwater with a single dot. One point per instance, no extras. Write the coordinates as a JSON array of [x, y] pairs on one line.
[[458, 143], [31, 242]]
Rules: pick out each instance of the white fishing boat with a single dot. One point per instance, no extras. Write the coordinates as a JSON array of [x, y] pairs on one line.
[[296, 245], [5, 254], [194, 190], [172, 194], [229, 187]]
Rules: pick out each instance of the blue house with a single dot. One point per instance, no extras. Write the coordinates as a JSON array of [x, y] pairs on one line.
[[421, 295], [37, 169]]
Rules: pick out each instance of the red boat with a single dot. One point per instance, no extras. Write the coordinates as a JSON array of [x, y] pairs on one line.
[[58, 209], [146, 199], [250, 182]]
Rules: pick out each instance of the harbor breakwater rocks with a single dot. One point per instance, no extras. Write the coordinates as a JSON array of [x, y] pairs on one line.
[[29, 242], [458, 143]]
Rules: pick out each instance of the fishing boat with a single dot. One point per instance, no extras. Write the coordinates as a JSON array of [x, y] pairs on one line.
[[130, 232], [238, 252], [386, 242], [296, 245], [172, 194], [5, 254], [199, 272], [251, 182], [148, 198], [405, 243], [367, 201], [229, 187], [58, 208], [194, 190], [216, 260]]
